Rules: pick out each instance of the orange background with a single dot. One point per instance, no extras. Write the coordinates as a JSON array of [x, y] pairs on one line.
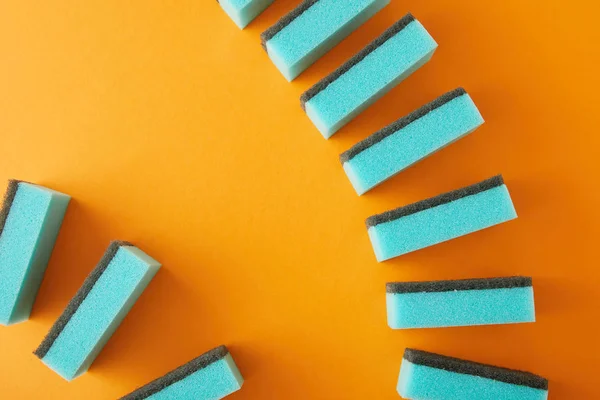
[[171, 128]]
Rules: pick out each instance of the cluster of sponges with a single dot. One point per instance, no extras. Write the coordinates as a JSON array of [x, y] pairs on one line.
[[467, 302], [297, 41], [32, 215], [30, 220], [438, 304]]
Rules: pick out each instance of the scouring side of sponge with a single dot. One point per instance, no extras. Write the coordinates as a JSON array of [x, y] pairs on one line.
[[211, 376], [410, 139], [429, 376], [30, 219], [440, 218], [397, 53], [437, 304], [97, 310], [242, 12], [313, 28]]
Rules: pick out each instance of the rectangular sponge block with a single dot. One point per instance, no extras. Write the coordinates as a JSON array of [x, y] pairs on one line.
[[30, 219], [242, 12], [410, 139], [429, 376], [97, 309], [313, 28], [338, 98], [440, 218], [211, 376], [460, 302]]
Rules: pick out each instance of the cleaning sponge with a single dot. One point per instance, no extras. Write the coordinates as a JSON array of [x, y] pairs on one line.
[[362, 80], [96, 311], [440, 218], [312, 29], [30, 219], [460, 302], [410, 139], [429, 376], [242, 12], [211, 376]]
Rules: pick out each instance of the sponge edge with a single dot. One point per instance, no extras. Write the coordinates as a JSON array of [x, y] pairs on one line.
[[430, 376], [30, 220], [97, 310], [460, 302], [313, 28], [410, 139], [242, 12], [440, 218], [375, 70], [213, 375]]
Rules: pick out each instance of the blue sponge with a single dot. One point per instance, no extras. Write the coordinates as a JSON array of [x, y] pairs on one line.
[[97, 310], [211, 376], [440, 218], [362, 80], [30, 219], [312, 29], [428, 376], [410, 139], [460, 303], [242, 12]]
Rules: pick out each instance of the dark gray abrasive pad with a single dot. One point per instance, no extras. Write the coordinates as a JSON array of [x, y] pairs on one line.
[[9, 196], [328, 80], [399, 124], [461, 284], [285, 21], [472, 368], [178, 374], [81, 294], [435, 201]]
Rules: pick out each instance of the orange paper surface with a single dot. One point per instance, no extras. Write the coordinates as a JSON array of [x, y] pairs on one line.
[[172, 129]]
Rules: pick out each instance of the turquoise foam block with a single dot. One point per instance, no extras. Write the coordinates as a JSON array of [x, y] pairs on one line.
[[446, 303], [312, 29], [31, 219], [365, 78], [453, 379], [441, 218], [216, 381], [410, 139], [97, 310], [242, 12], [211, 376]]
